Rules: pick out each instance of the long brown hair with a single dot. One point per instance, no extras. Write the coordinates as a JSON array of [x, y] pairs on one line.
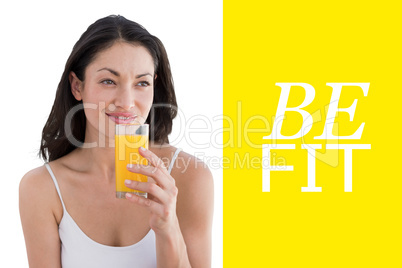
[[56, 141]]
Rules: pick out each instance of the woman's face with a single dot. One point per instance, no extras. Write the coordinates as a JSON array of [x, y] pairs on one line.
[[118, 89]]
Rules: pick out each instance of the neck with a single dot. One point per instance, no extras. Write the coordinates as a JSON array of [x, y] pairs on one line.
[[99, 161], [98, 156]]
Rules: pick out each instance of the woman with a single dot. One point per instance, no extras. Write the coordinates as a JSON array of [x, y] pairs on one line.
[[116, 73]]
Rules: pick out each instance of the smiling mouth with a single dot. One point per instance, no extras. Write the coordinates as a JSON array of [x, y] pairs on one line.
[[123, 119]]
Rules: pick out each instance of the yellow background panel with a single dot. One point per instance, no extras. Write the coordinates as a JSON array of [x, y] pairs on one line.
[[267, 42]]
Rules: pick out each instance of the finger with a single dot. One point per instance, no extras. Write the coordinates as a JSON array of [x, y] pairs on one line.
[[153, 159], [163, 180], [148, 187], [145, 202]]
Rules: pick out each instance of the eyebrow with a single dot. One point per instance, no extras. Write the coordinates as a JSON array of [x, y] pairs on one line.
[[117, 73]]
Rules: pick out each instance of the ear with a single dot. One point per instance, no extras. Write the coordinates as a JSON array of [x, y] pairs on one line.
[[155, 76], [76, 86]]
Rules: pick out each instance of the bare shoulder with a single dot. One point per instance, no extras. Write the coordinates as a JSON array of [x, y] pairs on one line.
[[35, 182], [40, 216], [191, 172], [195, 191], [193, 180], [38, 190]]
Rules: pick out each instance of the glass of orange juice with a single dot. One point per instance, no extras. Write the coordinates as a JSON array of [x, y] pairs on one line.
[[128, 138]]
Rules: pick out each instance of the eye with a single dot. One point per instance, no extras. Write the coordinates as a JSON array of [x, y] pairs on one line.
[[108, 82], [144, 84]]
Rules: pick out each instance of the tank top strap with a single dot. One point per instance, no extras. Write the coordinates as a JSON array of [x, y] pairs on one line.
[[173, 159], [55, 184]]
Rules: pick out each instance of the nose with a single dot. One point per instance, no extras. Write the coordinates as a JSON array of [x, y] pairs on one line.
[[125, 98]]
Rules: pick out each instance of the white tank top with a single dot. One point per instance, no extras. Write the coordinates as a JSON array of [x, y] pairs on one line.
[[78, 250]]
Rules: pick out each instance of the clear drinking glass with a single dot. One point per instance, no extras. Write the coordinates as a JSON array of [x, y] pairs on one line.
[[128, 138]]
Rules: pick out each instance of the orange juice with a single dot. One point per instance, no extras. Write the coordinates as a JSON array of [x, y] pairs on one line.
[[126, 150]]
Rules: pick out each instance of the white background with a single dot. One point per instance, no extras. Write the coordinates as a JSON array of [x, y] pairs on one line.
[[36, 40]]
